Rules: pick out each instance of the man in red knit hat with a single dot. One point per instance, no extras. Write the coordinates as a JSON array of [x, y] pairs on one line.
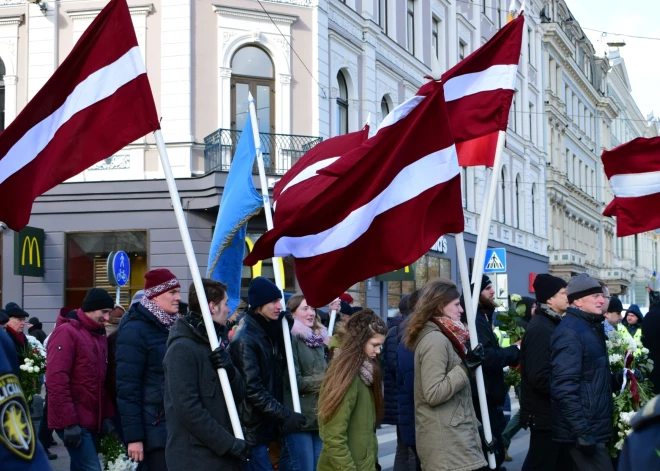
[[141, 346]]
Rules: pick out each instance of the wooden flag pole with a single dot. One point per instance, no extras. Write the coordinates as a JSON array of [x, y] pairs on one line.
[[197, 280], [278, 276]]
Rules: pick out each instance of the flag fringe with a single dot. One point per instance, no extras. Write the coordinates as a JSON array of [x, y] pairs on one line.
[[228, 240]]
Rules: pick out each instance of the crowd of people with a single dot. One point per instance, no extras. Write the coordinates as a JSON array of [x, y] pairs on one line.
[[147, 377]]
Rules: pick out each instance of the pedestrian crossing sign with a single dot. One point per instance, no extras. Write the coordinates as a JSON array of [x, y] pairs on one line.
[[495, 261]]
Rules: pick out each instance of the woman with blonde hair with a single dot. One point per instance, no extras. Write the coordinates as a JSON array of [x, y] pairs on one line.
[[445, 422], [351, 400]]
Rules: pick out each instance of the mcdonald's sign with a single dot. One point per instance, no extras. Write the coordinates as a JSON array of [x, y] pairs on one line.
[[29, 253], [406, 273]]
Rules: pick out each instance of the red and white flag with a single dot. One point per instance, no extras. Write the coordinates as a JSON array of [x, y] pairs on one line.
[[479, 91], [395, 196], [302, 183], [98, 101], [633, 170]]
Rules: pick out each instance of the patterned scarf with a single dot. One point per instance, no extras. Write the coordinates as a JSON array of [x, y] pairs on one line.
[[455, 331], [367, 372], [164, 318]]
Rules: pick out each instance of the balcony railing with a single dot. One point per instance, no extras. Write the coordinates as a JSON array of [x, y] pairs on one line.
[[280, 151]]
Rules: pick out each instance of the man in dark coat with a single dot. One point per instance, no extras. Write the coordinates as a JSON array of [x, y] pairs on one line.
[[199, 431], [651, 340], [80, 409], [15, 326], [535, 371], [35, 329], [640, 450], [141, 346], [581, 383], [257, 351]]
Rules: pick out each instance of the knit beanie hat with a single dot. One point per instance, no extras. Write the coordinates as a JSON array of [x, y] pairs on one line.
[[346, 297], [262, 291], [97, 299], [546, 286], [615, 305], [14, 310], [159, 281], [345, 308], [582, 285], [485, 283]]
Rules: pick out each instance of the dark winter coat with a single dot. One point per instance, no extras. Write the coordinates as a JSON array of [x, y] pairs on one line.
[[141, 346], [651, 340], [310, 369], [581, 385], [37, 332], [405, 379], [260, 361], [388, 364], [495, 359], [640, 450], [535, 371], [77, 360], [199, 431]]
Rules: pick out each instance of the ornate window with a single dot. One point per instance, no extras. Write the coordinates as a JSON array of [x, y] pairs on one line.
[[342, 105], [253, 72]]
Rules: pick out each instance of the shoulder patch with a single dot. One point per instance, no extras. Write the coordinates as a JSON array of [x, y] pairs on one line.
[[16, 432]]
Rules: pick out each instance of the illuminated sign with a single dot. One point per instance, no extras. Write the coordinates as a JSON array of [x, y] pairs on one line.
[[29, 252]]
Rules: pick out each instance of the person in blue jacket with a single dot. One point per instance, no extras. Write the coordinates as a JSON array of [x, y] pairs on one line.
[[19, 448], [640, 450]]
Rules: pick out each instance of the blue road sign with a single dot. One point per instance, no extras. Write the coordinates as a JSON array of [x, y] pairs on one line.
[[495, 261], [121, 268]]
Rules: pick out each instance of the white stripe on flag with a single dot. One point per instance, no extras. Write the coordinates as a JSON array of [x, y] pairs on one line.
[[493, 78], [631, 185], [309, 172], [427, 172], [98, 86], [400, 112]]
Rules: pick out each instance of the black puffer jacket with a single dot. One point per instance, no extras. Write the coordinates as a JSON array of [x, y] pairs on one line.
[[495, 359], [535, 371], [260, 360], [651, 340], [389, 366], [141, 346], [581, 386]]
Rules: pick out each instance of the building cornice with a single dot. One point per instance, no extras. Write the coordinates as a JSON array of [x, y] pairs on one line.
[[249, 14], [91, 13]]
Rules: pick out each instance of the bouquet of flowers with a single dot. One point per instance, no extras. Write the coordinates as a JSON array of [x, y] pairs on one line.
[[114, 455], [510, 319], [32, 368], [633, 394]]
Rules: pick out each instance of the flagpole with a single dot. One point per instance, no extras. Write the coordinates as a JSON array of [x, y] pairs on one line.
[[197, 280], [278, 276], [474, 340], [482, 219]]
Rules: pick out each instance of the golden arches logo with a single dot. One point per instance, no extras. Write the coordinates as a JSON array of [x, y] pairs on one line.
[[256, 269], [31, 243]]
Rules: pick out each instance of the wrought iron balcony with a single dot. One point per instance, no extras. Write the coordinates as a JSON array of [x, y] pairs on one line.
[[280, 151]]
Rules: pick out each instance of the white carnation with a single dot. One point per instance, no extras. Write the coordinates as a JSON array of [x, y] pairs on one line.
[[23, 367], [30, 369], [645, 350], [36, 369], [615, 358], [619, 445]]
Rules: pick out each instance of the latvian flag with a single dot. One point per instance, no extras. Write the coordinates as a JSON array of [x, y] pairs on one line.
[[633, 170], [394, 196], [98, 101]]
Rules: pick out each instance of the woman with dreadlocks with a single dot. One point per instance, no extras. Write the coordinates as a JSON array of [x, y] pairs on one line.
[[445, 422], [351, 399]]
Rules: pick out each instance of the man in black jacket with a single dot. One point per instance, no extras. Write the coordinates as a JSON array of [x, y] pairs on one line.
[[535, 370], [581, 382], [257, 351], [495, 359]]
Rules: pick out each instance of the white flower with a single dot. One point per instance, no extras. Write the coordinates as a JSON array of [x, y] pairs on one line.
[[645, 350], [516, 298], [619, 445], [23, 367], [36, 369], [30, 369], [615, 358]]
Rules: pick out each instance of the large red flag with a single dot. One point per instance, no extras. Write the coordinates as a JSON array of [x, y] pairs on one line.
[[633, 170], [401, 193], [479, 91], [98, 101]]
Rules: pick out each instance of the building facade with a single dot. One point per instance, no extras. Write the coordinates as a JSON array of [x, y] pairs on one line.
[[316, 69]]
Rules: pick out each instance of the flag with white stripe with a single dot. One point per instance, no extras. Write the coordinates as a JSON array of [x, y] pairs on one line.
[[400, 194], [633, 170], [98, 101], [479, 91]]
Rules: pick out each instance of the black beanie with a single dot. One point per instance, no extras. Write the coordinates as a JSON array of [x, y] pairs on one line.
[[97, 299], [546, 286], [485, 282], [345, 308], [262, 291], [615, 305]]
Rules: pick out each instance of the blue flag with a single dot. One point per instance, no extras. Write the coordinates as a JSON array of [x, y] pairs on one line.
[[240, 201]]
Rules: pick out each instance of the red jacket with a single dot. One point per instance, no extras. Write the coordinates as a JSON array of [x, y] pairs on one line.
[[77, 357]]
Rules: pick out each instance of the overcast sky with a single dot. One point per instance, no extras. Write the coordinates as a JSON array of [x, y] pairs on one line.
[[642, 56]]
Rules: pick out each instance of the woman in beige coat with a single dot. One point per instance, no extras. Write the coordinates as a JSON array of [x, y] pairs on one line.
[[445, 422]]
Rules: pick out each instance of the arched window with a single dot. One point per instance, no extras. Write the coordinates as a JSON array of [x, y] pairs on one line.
[[252, 72], [2, 95], [384, 108], [534, 208], [342, 105], [502, 197], [518, 189]]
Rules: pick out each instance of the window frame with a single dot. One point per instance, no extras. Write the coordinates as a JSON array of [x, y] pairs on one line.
[[342, 105], [410, 26]]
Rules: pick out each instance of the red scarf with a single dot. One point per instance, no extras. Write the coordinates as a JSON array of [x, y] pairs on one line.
[[20, 338], [456, 332]]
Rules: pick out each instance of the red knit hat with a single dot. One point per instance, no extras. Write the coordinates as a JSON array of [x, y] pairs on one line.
[[346, 297], [159, 281]]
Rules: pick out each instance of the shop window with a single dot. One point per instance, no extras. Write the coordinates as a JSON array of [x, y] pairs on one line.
[[396, 290], [429, 267], [86, 263]]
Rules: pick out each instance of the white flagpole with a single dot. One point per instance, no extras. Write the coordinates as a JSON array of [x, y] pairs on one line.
[[197, 280], [474, 340], [278, 276], [333, 318], [480, 241]]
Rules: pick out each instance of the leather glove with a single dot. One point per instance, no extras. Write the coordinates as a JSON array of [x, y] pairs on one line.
[[220, 359], [586, 444], [289, 318], [240, 450], [72, 436], [293, 423], [638, 375], [475, 357]]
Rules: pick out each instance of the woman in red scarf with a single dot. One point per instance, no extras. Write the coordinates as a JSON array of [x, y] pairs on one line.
[[445, 422]]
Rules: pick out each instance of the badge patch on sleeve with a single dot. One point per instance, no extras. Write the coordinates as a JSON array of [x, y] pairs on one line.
[[16, 432]]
